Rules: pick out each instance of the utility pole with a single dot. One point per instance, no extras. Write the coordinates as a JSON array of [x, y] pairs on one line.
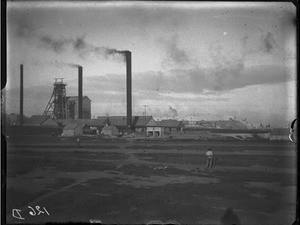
[[145, 106], [21, 94]]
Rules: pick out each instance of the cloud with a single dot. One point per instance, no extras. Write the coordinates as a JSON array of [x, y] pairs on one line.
[[57, 45], [179, 93], [227, 68], [35, 99], [174, 55], [268, 42], [193, 81]]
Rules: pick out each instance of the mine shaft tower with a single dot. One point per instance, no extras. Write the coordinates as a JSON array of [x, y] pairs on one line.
[[57, 105]]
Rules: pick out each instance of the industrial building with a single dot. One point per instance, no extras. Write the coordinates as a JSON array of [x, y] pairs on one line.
[[138, 123], [63, 107], [72, 107], [171, 126]]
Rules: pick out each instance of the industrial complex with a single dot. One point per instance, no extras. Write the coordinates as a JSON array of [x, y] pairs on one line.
[[72, 115], [168, 112]]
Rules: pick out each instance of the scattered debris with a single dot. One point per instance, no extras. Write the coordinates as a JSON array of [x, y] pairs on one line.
[[159, 222], [169, 222], [160, 168], [196, 170], [152, 222], [95, 221]]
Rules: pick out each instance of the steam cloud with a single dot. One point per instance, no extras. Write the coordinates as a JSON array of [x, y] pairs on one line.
[[173, 111]]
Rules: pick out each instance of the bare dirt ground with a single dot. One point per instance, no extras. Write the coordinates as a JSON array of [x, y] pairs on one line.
[[121, 182]]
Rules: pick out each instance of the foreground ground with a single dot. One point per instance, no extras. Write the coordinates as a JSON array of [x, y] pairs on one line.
[[136, 183]]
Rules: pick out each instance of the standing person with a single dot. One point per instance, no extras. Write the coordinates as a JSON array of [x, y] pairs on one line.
[[78, 142], [209, 158]]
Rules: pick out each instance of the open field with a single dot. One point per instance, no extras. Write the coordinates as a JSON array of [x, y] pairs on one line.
[[121, 182]]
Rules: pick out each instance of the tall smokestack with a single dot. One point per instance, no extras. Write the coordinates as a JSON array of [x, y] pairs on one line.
[[128, 88], [21, 95], [79, 92]]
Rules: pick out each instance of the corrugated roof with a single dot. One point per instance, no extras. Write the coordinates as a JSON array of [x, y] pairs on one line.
[[89, 122], [224, 124], [122, 120], [73, 126], [101, 120], [170, 123], [116, 120], [36, 119], [75, 98], [70, 126], [142, 120]]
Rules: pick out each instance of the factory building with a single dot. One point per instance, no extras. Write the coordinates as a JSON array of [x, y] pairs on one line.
[[72, 107]]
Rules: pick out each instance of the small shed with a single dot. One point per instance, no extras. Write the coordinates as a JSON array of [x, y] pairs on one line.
[[73, 129], [110, 130], [140, 122]]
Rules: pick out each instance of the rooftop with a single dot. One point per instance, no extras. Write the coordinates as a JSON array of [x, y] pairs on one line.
[[36, 119], [122, 120], [75, 98], [73, 126], [170, 123]]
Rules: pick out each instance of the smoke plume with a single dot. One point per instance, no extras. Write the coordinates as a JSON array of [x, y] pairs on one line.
[[60, 45], [74, 65], [80, 47], [64, 64]]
